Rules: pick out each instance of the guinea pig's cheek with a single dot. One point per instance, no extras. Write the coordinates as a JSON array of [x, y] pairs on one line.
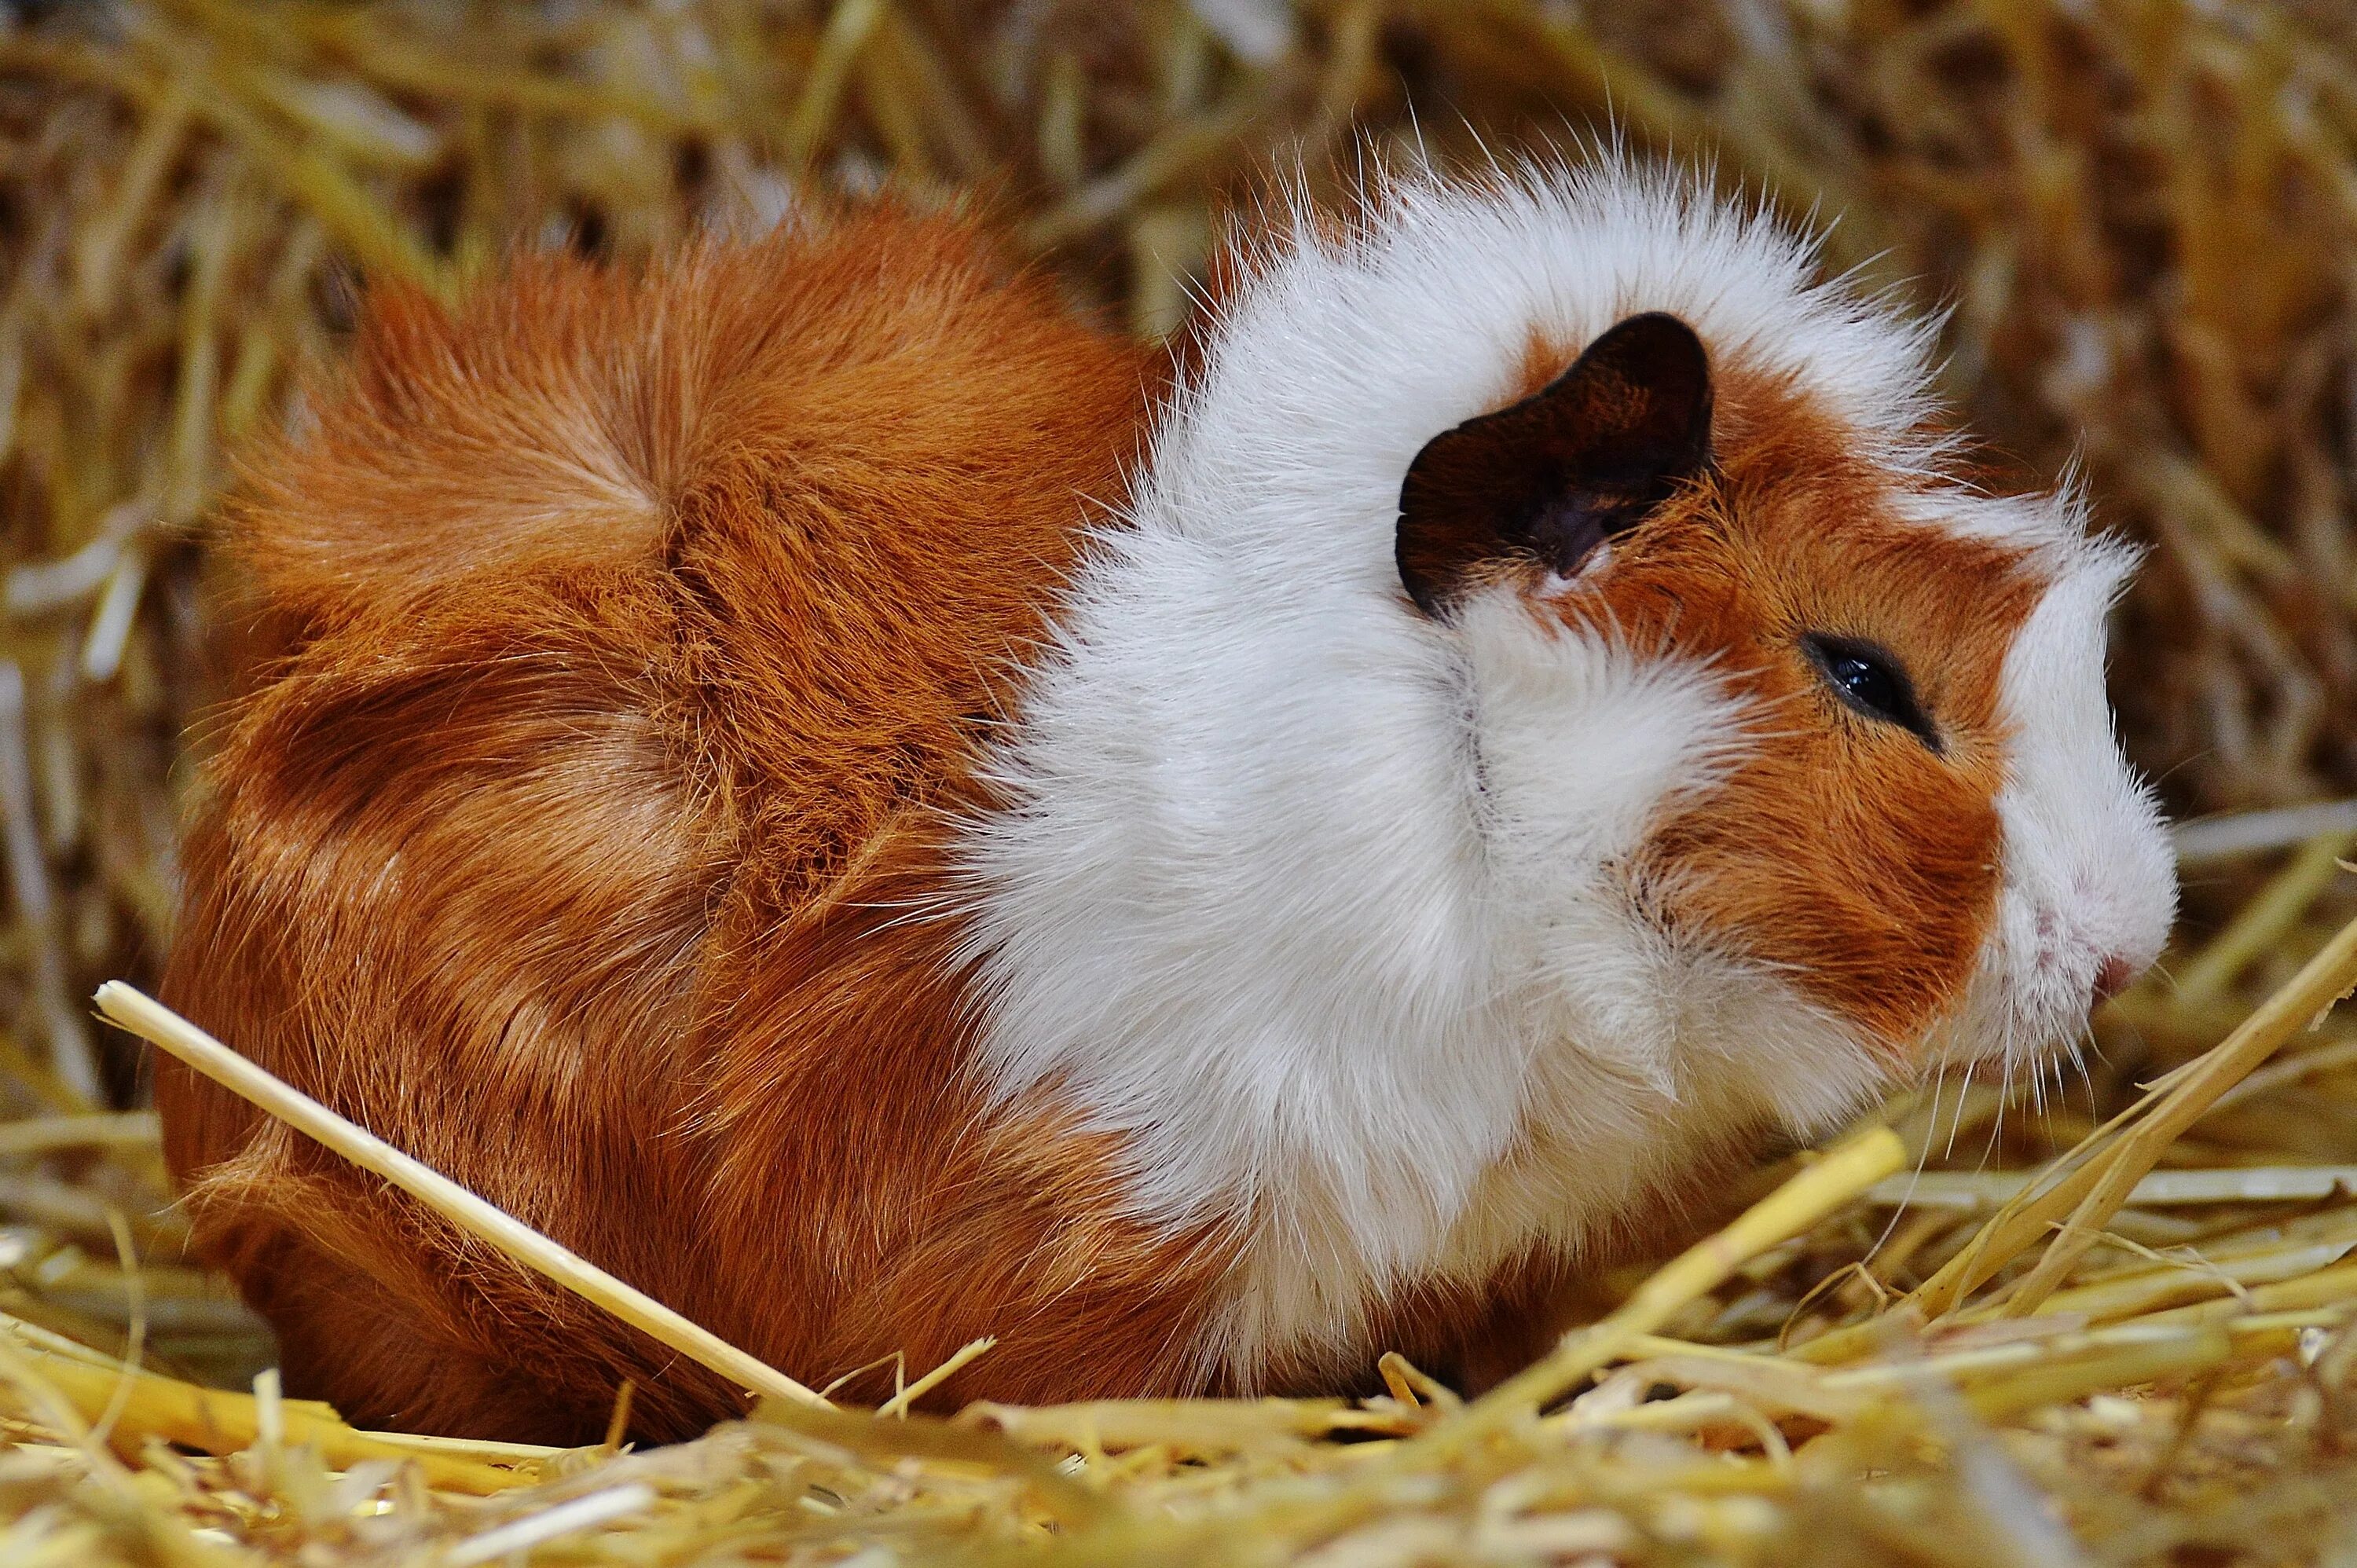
[[1870, 898]]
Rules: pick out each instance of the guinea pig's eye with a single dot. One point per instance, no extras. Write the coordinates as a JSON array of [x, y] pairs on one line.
[[1871, 679]]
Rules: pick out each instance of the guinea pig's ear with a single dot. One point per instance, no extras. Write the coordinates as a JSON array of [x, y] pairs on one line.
[[1580, 461]]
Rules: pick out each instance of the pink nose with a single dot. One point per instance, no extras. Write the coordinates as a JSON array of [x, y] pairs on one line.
[[2115, 977]]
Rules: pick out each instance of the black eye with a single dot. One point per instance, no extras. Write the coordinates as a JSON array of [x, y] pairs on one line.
[[1871, 679]]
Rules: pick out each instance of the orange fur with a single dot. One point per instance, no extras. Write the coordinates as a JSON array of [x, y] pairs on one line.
[[1844, 850], [632, 634]]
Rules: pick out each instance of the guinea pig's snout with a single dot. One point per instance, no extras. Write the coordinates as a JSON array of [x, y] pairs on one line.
[[2115, 974], [2105, 945], [2124, 923], [2086, 912], [2104, 967]]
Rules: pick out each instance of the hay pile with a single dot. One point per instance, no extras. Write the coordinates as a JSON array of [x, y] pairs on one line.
[[2142, 212]]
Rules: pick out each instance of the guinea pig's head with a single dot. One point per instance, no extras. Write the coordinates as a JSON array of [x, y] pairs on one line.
[[1792, 749]]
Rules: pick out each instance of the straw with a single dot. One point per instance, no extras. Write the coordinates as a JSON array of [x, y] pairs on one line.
[[2098, 1188], [1844, 1173], [152, 1021]]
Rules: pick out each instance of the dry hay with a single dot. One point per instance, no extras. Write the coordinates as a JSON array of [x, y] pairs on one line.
[[2141, 212]]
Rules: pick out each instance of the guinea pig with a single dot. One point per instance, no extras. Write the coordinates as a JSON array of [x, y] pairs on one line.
[[884, 816]]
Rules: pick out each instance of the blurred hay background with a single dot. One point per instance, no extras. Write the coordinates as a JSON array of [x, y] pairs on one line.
[[2140, 213]]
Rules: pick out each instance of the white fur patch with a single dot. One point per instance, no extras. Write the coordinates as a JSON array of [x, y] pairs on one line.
[[1323, 905], [2089, 872]]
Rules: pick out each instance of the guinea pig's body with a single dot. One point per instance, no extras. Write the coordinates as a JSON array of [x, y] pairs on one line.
[[1530, 719]]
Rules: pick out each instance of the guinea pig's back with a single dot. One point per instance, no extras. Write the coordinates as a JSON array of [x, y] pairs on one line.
[[593, 608]]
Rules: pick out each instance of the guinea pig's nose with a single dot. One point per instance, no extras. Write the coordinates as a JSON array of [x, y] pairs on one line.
[[2115, 977]]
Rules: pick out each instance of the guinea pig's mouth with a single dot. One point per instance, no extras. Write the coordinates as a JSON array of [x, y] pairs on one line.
[[2025, 1018]]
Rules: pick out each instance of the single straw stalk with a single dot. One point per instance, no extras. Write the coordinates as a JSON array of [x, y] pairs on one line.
[[152, 1021]]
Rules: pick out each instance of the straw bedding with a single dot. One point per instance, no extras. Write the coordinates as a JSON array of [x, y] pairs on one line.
[[2140, 212]]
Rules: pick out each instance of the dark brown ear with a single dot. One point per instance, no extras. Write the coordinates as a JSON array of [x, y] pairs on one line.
[[1582, 460]]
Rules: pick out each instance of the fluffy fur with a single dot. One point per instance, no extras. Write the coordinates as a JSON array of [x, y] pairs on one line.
[[630, 637], [717, 794], [1405, 949]]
